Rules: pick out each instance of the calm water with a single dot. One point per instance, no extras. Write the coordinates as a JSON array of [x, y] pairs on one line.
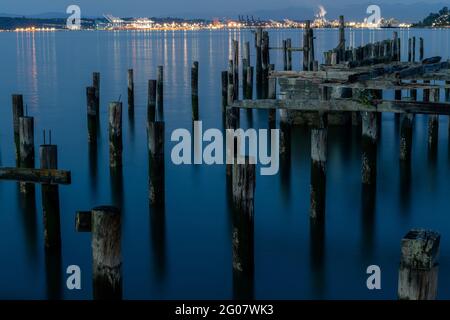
[[188, 255]]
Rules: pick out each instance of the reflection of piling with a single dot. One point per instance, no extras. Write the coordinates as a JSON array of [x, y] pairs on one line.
[[318, 168], [50, 199], [224, 90], [406, 131], [418, 272], [194, 89], [130, 90], [156, 155], [243, 228], [17, 110], [115, 134], [26, 141], [160, 90], [151, 104], [369, 147], [106, 253]]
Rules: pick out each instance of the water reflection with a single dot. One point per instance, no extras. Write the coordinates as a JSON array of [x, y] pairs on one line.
[[158, 241], [317, 256], [53, 271], [368, 210], [27, 205], [117, 187]]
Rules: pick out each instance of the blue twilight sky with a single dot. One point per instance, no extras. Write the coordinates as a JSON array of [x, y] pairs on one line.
[[181, 7]]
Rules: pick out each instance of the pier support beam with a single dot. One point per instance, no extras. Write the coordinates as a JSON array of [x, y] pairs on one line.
[[418, 272]]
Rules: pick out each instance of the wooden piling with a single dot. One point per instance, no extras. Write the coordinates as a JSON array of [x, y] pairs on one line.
[[369, 147], [258, 42], [272, 94], [156, 163], [130, 89], [96, 85], [244, 181], [48, 155], [318, 168], [92, 114], [409, 50], [245, 64], [341, 38], [26, 142], [231, 92], [194, 89], [418, 272], [406, 130], [265, 64], [306, 46], [289, 54], [151, 104], [414, 49], [433, 122], [17, 111], [249, 81], [236, 68], [285, 68], [421, 49], [107, 253], [224, 90], [160, 90], [115, 135]]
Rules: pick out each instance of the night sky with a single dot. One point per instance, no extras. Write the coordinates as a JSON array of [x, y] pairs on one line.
[[172, 7]]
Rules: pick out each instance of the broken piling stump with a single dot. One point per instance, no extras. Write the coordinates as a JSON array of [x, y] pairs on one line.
[[17, 111], [418, 272], [130, 90], [107, 253], [151, 103], [194, 90]]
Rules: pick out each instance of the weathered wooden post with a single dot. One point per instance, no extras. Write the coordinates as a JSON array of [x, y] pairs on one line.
[[318, 168], [236, 68], [107, 253], [156, 163], [447, 99], [244, 182], [289, 54], [433, 122], [418, 272], [231, 92], [409, 50], [151, 104], [265, 64], [96, 85], [421, 49], [406, 131], [160, 90], [285, 68], [130, 89], [92, 114], [245, 65], [224, 90], [26, 141], [272, 94], [258, 42], [48, 155], [249, 81], [194, 90], [306, 45], [369, 147], [341, 39], [115, 134], [17, 111], [414, 49]]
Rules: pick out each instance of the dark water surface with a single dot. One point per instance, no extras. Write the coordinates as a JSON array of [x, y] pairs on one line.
[[188, 254]]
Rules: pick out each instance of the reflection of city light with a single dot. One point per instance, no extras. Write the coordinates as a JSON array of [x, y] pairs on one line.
[[34, 29]]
